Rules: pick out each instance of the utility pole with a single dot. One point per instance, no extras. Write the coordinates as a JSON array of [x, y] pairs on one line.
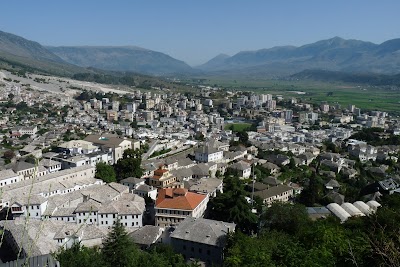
[[252, 192]]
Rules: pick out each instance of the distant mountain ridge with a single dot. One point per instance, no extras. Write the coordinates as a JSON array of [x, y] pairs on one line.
[[335, 54], [70, 60], [18, 46], [121, 58]]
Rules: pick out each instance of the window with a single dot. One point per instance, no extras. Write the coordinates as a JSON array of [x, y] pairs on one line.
[[184, 247]]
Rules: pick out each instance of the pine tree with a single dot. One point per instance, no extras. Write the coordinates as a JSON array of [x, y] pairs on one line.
[[119, 249]]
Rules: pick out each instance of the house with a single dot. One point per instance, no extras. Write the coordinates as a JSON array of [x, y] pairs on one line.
[[173, 205], [9, 177], [132, 182], [128, 208], [362, 150], [207, 153], [29, 170], [279, 159], [243, 168], [183, 174], [307, 157], [77, 147], [51, 165], [331, 165], [162, 178], [332, 184], [116, 144], [209, 186], [204, 170], [271, 167], [277, 193], [28, 206], [146, 236], [145, 190], [272, 181], [203, 239]]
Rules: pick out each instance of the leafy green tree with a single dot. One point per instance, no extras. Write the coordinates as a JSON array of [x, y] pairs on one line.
[[286, 217], [129, 167], [79, 255], [105, 172], [232, 206], [119, 249]]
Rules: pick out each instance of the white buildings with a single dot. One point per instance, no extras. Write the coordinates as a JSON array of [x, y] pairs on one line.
[[277, 193], [117, 145], [243, 168], [207, 153], [9, 177]]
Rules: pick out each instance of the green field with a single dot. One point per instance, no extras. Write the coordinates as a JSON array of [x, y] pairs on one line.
[[237, 127], [364, 97]]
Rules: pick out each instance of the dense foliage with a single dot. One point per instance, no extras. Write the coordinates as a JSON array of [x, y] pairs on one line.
[[373, 137], [289, 238], [105, 172], [232, 206], [129, 165]]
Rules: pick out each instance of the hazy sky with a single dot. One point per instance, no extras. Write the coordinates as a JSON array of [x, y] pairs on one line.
[[196, 31]]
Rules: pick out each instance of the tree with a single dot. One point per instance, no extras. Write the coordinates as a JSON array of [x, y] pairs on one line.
[[232, 206], [79, 255], [119, 249], [286, 217], [129, 167], [105, 172], [9, 154]]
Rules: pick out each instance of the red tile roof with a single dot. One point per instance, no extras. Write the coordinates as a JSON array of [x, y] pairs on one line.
[[178, 198]]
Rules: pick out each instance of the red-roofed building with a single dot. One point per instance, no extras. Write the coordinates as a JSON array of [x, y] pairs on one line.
[[173, 205]]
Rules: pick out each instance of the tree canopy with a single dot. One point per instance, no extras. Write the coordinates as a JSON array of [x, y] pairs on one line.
[[105, 172]]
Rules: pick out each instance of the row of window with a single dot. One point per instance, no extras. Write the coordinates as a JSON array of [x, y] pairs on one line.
[[5, 182], [178, 212]]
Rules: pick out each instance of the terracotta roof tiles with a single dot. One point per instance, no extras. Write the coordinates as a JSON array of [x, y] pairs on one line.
[[178, 198]]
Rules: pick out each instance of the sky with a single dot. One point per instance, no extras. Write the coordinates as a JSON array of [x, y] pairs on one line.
[[196, 31]]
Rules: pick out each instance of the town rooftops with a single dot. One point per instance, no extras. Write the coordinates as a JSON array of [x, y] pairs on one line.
[[132, 180], [178, 198], [22, 165], [241, 166], [273, 191], [105, 139], [6, 174], [204, 231], [146, 235], [206, 149], [77, 144]]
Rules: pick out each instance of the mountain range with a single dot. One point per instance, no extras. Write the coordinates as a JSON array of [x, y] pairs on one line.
[[121, 58], [335, 54]]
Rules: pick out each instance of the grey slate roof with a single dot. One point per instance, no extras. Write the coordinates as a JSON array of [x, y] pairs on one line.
[[147, 235], [270, 180], [241, 165], [273, 191], [203, 231], [5, 174], [332, 183]]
